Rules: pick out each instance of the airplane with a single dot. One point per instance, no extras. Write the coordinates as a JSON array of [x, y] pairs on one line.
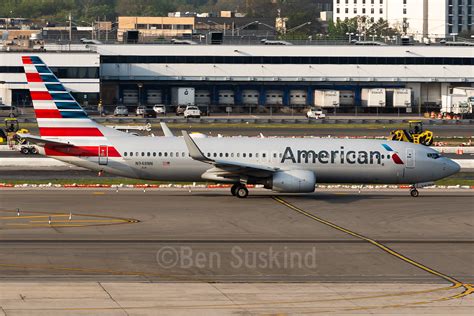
[[280, 164]]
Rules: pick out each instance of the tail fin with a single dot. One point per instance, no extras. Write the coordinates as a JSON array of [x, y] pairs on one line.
[[57, 112]]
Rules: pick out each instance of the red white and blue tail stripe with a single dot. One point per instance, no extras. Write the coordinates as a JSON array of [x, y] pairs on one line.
[[59, 116]]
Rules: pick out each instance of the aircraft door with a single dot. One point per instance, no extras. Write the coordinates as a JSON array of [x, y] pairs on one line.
[[410, 156], [103, 155]]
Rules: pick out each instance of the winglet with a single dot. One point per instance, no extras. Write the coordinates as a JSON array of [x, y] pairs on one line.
[[193, 149], [166, 130]]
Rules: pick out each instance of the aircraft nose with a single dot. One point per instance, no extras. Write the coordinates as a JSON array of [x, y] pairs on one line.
[[451, 167]]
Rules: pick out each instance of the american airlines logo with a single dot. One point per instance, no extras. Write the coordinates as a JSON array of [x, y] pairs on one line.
[[341, 156]]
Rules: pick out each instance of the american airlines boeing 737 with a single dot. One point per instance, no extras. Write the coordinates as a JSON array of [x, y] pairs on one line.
[[280, 164]]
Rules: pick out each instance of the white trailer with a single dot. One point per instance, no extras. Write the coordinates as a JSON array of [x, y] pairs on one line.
[[298, 97], [402, 98], [373, 97], [468, 91], [250, 97], [327, 98], [456, 104], [182, 96]]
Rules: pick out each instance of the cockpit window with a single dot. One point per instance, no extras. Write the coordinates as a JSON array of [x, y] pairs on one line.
[[434, 155]]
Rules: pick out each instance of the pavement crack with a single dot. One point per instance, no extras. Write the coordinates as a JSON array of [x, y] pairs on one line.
[[243, 308], [111, 297]]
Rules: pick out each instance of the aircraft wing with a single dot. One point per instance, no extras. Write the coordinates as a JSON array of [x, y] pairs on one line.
[[43, 142], [227, 167], [166, 131]]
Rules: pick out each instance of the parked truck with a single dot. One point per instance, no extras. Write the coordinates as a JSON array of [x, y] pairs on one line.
[[182, 96], [402, 98], [326, 98], [456, 104], [374, 97]]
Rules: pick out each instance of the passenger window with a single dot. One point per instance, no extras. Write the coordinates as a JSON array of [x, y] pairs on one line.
[[215, 154], [177, 154], [171, 154], [250, 155], [125, 154], [232, 154], [184, 154], [159, 154], [154, 154], [143, 154], [166, 154], [148, 154], [264, 155], [220, 154], [238, 155], [274, 155], [256, 155], [244, 155], [227, 154], [137, 154]]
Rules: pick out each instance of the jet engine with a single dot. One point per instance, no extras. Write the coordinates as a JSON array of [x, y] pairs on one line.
[[292, 181]]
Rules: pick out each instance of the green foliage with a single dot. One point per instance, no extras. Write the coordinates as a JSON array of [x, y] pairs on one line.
[[361, 25]]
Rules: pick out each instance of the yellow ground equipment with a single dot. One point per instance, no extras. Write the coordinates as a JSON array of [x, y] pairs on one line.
[[415, 134], [12, 129]]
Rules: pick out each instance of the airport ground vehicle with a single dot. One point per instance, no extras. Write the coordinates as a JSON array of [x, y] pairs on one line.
[[180, 109], [415, 134], [291, 165], [192, 112], [315, 113], [145, 111], [15, 141], [159, 109], [9, 111], [121, 110]]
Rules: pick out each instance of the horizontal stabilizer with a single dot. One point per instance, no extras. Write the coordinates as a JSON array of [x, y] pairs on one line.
[[37, 140]]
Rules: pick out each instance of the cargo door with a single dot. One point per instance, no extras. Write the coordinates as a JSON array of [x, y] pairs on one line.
[[103, 155]]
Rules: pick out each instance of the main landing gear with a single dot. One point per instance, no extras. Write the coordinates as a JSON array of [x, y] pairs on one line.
[[413, 191], [239, 190]]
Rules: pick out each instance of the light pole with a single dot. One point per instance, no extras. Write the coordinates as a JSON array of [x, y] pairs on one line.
[[454, 36], [350, 36], [140, 86]]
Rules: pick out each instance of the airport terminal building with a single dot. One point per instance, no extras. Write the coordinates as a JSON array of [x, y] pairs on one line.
[[253, 77]]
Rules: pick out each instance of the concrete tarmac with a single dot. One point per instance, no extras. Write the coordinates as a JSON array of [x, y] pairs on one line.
[[339, 247]]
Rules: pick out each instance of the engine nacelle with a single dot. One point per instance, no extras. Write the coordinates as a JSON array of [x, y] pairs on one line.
[[292, 181]]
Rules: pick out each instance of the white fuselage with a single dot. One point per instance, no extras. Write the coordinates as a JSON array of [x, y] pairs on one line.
[[332, 160]]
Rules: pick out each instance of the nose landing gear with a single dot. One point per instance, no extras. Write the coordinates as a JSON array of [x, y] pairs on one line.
[[239, 190], [414, 192]]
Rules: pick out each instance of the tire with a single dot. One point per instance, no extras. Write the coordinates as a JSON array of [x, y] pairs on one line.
[[233, 189], [24, 150], [414, 193], [242, 192], [33, 151]]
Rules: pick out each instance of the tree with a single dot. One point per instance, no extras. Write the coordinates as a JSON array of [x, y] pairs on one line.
[[362, 25]]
